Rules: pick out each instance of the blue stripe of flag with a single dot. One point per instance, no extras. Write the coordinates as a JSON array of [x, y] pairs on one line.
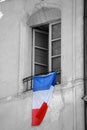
[[44, 82]]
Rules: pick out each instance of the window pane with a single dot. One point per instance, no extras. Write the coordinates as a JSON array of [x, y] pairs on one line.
[[41, 40], [39, 69], [56, 47], [56, 64], [41, 56], [56, 31]]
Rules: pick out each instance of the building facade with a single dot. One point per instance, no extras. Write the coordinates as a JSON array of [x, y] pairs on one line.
[[59, 27]]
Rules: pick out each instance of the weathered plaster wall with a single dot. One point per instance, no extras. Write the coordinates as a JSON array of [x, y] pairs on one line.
[[9, 46], [66, 111], [15, 113]]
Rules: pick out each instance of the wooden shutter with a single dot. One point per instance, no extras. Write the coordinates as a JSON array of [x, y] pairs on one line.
[[40, 52]]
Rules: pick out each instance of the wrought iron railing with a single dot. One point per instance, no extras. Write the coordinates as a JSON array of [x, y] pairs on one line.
[[27, 82]]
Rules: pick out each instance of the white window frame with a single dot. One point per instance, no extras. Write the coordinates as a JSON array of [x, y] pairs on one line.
[[50, 43]]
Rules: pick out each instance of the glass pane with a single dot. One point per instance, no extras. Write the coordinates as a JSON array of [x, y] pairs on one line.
[[39, 69], [56, 64], [56, 31], [41, 56], [56, 47], [41, 40]]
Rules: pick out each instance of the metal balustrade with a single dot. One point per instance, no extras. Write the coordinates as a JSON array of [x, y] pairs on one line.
[[27, 82]]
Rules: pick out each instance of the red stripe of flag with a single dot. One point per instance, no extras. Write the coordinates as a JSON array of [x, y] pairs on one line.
[[38, 114]]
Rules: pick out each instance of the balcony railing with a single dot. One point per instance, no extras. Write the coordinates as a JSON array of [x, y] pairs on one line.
[[27, 82]]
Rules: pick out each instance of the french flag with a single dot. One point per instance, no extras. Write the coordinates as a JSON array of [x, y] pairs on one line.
[[43, 87]]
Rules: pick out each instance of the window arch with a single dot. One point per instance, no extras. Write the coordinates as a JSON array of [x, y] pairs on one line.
[[44, 15]]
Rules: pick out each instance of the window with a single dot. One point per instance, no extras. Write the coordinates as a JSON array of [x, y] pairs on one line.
[[47, 49], [45, 41]]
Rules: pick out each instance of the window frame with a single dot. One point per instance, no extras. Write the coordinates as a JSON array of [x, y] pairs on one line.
[[50, 40]]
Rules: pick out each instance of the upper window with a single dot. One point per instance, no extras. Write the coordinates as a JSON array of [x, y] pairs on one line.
[[45, 24], [47, 49]]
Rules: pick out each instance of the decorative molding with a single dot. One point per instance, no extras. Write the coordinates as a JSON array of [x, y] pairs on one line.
[[45, 4]]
